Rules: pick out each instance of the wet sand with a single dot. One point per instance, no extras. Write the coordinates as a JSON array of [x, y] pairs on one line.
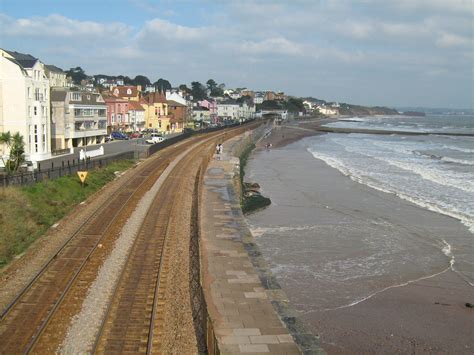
[[410, 310]]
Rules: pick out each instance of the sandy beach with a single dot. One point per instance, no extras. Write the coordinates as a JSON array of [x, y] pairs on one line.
[[415, 303]]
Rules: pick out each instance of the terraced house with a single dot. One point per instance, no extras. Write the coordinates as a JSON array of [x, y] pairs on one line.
[[156, 112], [25, 103], [79, 118]]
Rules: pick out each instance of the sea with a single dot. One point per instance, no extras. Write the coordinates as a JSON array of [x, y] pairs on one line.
[[355, 214], [434, 171]]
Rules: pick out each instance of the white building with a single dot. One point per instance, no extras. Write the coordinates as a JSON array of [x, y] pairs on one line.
[[79, 118], [228, 110], [176, 96], [246, 110], [56, 76], [329, 111], [25, 103], [136, 114], [259, 97]]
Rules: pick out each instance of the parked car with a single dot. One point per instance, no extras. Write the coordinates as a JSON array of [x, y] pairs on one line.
[[155, 138], [118, 136], [136, 135]]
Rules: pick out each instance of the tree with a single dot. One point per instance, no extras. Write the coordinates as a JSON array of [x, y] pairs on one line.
[[198, 91], [77, 74], [141, 80], [16, 146], [294, 105], [162, 85], [184, 88], [214, 89]]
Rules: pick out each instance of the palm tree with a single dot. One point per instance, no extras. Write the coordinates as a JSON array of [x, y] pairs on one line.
[[16, 146]]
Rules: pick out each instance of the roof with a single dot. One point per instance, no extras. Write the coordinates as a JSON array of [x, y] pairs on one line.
[[154, 97], [58, 95], [228, 102], [25, 60], [54, 69], [133, 105], [122, 91], [174, 103], [110, 98]]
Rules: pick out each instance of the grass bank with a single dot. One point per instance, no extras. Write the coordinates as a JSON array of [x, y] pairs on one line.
[[27, 212], [255, 201]]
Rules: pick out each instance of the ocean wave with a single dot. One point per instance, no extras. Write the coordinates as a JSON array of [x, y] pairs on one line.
[[430, 173], [457, 161], [259, 231], [466, 219], [459, 149]]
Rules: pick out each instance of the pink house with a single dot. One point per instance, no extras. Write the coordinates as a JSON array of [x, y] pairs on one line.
[[211, 105], [117, 113]]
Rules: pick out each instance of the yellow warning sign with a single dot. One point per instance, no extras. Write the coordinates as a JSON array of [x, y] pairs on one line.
[[82, 175]]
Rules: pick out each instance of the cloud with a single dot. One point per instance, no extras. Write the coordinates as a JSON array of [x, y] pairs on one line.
[[171, 31], [60, 26], [447, 40]]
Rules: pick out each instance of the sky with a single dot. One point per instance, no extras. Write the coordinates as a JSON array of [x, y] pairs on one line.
[[417, 53]]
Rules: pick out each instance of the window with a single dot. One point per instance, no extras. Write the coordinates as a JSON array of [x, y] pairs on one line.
[[29, 92], [36, 138], [113, 117], [44, 138], [35, 110], [102, 112], [76, 96], [77, 112], [159, 124]]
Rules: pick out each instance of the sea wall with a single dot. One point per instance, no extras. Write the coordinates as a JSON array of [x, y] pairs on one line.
[[246, 307]]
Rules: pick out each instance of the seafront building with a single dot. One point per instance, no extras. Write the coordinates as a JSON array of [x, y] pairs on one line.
[[156, 112], [178, 115], [136, 114], [25, 103], [79, 118], [228, 110], [117, 113]]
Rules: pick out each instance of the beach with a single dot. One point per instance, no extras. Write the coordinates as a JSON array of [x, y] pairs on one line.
[[368, 271]]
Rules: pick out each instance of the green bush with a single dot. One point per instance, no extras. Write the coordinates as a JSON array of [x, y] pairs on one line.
[[27, 212]]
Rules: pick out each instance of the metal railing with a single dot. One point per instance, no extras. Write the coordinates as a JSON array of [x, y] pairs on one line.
[[57, 170]]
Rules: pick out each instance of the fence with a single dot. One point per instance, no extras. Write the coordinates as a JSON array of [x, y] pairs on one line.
[[71, 167], [64, 168]]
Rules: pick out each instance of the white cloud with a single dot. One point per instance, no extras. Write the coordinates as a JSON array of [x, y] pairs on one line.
[[447, 40], [60, 26], [171, 31]]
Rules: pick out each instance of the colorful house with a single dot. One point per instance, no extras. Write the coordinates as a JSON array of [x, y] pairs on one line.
[[117, 114], [178, 114], [129, 93], [156, 112]]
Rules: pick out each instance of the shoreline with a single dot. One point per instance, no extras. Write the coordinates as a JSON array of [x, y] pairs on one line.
[[424, 313]]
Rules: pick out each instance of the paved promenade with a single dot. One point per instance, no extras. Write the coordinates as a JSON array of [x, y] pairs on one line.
[[239, 298]]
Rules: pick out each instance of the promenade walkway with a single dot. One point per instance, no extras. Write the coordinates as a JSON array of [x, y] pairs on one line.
[[239, 303]]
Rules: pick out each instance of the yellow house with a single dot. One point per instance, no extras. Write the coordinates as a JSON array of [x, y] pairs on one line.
[[156, 112]]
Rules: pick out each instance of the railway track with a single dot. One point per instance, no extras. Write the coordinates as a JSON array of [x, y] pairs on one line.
[[36, 321]]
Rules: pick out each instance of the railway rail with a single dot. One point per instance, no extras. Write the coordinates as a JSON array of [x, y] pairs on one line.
[[36, 320]]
